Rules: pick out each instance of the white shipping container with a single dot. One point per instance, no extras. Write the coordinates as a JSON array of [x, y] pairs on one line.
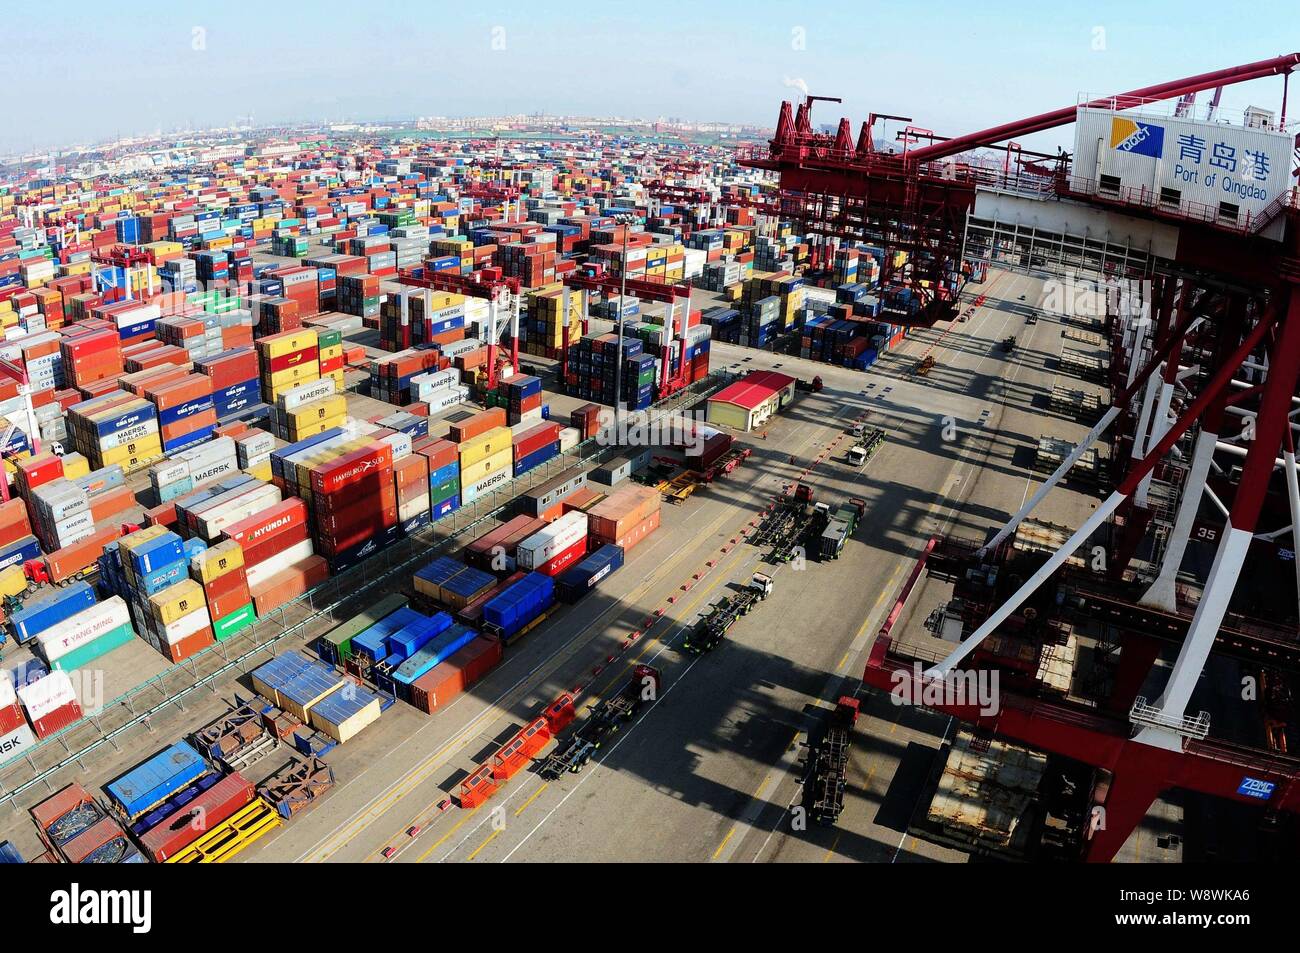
[[168, 472], [186, 625], [447, 398], [16, 743], [413, 508], [400, 442], [47, 695], [437, 379], [83, 628], [213, 470], [295, 397], [260, 572], [554, 539], [569, 437], [476, 491], [260, 496]]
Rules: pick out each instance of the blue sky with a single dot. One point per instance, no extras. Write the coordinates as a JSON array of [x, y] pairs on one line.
[[87, 71]]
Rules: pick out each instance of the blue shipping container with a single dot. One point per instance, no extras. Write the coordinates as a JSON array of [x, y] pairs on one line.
[[156, 780], [518, 605]]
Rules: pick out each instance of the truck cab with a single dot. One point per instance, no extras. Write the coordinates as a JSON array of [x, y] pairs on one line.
[[856, 457]]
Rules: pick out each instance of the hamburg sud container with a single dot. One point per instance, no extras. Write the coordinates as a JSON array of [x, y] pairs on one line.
[[555, 548], [154, 781], [206, 811], [50, 703], [574, 583], [447, 679], [517, 607], [354, 505]]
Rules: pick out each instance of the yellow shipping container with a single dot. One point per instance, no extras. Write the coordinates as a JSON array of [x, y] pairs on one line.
[[145, 447], [287, 345], [484, 445], [297, 433], [486, 466], [75, 467], [331, 352], [309, 370], [175, 601], [225, 557], [262, 471], [13, 581], [325, 409]]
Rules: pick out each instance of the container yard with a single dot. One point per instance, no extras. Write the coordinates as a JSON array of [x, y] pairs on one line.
[[814, 487]]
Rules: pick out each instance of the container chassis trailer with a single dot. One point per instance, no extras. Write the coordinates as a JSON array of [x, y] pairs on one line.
[[712, 627], [605, 719], [827, 763]]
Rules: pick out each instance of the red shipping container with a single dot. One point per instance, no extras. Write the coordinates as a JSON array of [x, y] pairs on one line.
[[14, 524], [440, 453], [285, 514], [92, 839], [65, 563], [286, 361], [535, 438], [345, 508], [352, 467], [191, 387], [199, 816], [275, 544], [339, 540], [444, 682], [564, 559], [288, 585], [374, 483]]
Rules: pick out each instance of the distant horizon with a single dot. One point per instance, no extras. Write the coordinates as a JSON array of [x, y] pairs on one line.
[[91, 79]]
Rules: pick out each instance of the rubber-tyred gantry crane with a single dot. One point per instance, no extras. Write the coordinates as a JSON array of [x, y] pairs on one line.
[[1217, 334]]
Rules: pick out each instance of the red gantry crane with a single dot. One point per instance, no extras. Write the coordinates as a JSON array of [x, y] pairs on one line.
[[1220, 338]]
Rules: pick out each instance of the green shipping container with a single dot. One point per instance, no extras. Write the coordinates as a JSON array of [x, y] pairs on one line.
[[236, 622], [445, 490], [93, 650]]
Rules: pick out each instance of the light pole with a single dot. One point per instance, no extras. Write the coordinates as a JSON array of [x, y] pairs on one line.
[[625, 221]]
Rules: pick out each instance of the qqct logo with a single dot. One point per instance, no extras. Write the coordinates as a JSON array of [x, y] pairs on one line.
[[1138, 138]]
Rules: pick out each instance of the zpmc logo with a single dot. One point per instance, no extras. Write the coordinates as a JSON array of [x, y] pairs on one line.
[[1138, 138]]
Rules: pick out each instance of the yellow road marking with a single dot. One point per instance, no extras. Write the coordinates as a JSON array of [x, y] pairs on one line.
[[490, 838], [831, 850], [443, 839], [532, 797], [724, 842], [842, 661]]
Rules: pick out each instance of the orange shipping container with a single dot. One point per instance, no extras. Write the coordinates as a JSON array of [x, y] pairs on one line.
[[286, 586], [477, 425], [70, 560], [632, 534], [610, 519]]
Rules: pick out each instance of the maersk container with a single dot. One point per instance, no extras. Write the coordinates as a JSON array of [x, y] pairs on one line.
[[572, 584], [410, 638], [516, 607], [156, 780], [441, 647]]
